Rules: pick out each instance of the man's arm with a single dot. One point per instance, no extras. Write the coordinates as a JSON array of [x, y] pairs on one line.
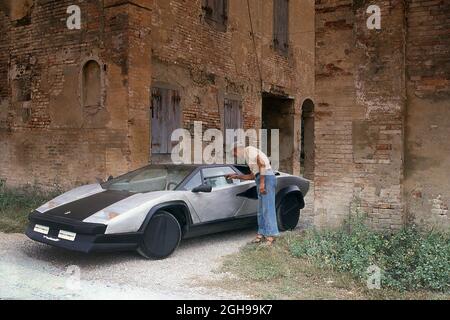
[[262, 170], [250, 176]]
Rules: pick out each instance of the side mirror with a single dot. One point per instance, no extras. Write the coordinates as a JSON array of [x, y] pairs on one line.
[[110, 178], [202, 188]]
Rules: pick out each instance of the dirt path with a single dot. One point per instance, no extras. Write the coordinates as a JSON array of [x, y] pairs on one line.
[[29, 270]]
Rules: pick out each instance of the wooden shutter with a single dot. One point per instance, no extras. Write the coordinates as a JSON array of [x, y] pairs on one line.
[[281, 25], [157, 119], [173, 117], [165, 117], [233, 114]]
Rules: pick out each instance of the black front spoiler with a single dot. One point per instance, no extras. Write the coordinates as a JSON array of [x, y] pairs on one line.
[[89, 237]]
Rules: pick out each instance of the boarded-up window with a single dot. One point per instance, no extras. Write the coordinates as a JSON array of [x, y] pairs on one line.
[[281, 25], [165, 117], [216, 12], [91, 84], [233, 114]]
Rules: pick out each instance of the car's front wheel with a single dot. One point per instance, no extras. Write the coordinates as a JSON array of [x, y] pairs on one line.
[[288, 212], [161, 237]]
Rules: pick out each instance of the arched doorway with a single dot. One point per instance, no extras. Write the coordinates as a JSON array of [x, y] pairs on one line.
[[307, 138]]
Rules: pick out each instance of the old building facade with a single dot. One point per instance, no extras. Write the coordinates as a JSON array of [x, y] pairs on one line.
[[362, 113], [104, 98]]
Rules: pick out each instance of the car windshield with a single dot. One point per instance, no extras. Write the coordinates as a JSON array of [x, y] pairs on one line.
[[149, 179]]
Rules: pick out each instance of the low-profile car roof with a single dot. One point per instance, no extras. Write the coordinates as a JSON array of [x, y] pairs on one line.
[[193, 166]]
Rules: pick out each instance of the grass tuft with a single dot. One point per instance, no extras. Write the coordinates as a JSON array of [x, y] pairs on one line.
[[17, 203]]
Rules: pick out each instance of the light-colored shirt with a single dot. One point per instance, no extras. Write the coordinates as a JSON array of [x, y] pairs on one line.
[[251, 158]]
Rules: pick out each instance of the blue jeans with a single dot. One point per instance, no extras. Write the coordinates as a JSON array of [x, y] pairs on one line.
[[267, 216]]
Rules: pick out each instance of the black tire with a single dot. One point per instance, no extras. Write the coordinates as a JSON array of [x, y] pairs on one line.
[[288, 212], [161, 237]]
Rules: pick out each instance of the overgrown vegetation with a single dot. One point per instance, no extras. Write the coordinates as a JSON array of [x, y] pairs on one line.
[[333, 264], [17, 203], [409, 259]]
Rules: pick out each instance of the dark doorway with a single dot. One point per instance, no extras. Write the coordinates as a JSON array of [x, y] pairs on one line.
[[278, 113], [307, 145]]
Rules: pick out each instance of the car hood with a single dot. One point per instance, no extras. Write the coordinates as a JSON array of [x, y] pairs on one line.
[[94, 204], [70, 196]]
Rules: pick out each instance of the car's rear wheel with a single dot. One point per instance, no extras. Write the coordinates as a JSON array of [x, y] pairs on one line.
[[161, 237], [288, 212]]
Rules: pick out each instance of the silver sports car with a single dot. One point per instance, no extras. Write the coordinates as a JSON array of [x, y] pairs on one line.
[[151, 209]]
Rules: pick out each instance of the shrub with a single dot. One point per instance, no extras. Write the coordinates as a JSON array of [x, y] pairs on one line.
[[409, 259], [16, 203]]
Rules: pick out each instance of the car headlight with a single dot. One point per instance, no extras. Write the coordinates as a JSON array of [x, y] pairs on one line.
[[103, 216]]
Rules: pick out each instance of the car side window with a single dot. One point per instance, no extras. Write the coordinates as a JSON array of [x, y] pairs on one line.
[[217, 171], [215, 176], [194, 182]]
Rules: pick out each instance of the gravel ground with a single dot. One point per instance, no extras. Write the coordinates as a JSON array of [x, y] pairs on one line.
[[29, 270]]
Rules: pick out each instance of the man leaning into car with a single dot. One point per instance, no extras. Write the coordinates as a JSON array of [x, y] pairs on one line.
[[262, 173]]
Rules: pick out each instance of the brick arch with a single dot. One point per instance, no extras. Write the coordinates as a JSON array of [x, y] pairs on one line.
[[91, 84]]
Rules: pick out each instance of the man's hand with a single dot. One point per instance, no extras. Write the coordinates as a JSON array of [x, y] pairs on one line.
[[232, 176], [262, 188]]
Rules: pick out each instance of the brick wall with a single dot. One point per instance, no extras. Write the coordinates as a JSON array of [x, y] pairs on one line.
[[48, 137], [359, 129], [208, 64], [427, 147], [382, 112]]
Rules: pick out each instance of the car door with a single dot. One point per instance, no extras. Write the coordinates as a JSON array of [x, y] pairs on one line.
[[223, 201]]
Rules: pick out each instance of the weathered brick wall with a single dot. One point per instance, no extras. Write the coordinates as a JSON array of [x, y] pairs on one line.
[[335, 98], [47, 137], [208, 64], [427, 144], [382, 114], [360, 97]]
